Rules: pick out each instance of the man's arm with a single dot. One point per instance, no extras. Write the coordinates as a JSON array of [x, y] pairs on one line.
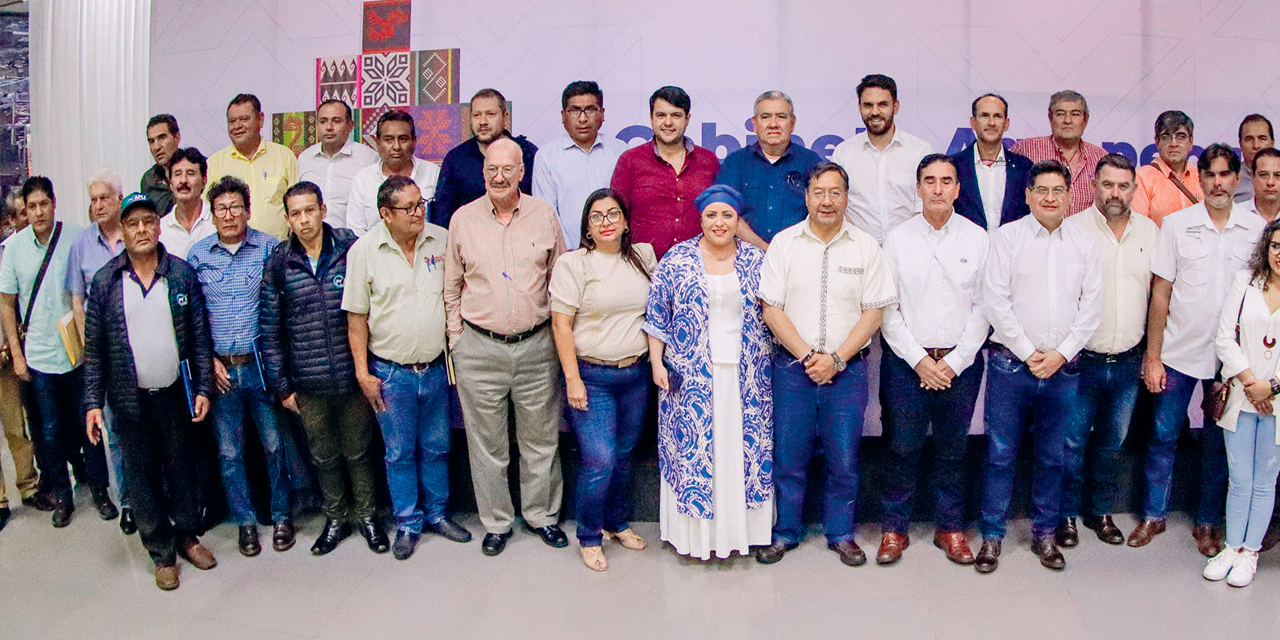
[[1153, 372], [454, 270], [997, 298], [358, 336]]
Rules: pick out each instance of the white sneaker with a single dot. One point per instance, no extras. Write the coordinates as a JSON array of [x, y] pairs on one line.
[[1242, 571], [1220, 565]]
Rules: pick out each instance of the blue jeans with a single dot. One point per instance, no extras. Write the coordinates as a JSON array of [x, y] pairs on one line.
[[912, 409], [1015, 398], [415, 430], [1170, 411], [607, 431], [1108, 393], [831, 413], [114, 457], [247, 396], [57, 429], [1253, 461]]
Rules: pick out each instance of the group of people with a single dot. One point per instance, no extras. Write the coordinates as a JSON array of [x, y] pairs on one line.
[[351, 289]]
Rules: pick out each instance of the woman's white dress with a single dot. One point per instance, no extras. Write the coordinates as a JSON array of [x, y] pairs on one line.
[[734, 527]]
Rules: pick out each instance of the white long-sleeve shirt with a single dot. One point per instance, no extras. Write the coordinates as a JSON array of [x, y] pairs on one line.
[[882, 184]]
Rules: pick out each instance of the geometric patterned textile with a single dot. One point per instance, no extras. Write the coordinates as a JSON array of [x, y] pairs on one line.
[[439, 128], [386, 79], [338, 78], [435, 79], [386, 26], [369, 122], [296, 130]]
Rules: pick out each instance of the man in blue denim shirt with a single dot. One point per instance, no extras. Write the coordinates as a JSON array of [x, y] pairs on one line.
[[229, 266], [771, 173]]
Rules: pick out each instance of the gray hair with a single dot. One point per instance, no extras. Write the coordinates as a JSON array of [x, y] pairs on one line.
[[774, 94], [110, 178], [1067, 95]]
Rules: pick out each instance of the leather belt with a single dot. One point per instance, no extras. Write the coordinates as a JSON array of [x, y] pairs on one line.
[[1110, 358], [996, 347], [939, 353], [507, 338], [416, 367], [617, 364], [235, 361]]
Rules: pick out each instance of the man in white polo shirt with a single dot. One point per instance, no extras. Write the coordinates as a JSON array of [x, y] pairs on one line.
[[188, 222], [332, 163], [397, 139]]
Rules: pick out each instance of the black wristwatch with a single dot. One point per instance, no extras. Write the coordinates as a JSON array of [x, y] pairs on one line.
[[841, 364], [1275, 387]]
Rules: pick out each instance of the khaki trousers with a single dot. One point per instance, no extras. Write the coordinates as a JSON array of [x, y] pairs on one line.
[[14, 419]]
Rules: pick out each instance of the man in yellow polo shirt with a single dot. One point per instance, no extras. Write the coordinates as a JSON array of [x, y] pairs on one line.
[[268, 168]]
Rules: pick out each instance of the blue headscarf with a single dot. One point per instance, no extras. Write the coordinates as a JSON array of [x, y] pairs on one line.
[[719, 193]]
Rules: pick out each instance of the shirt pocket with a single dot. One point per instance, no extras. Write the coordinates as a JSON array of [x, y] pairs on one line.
[[1194, 270], [846, 280], [961, 270]]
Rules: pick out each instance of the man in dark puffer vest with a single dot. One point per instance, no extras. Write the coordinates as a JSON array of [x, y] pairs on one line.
[[307, 362]]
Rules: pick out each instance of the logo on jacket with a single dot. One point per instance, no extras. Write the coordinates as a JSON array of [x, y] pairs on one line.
[[182, 299], [339, 280]]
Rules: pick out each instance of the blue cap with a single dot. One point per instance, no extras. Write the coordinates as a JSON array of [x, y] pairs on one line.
[[719, 193], [136, 199]]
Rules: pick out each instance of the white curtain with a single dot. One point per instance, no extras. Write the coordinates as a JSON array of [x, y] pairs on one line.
[[90, 71]]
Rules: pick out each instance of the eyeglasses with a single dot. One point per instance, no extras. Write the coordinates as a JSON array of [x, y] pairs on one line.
[[596, 218], [233, 210], [421, 205], [1181, 136], [1057, 192], [577, 112], [819, 195], [507, 171]]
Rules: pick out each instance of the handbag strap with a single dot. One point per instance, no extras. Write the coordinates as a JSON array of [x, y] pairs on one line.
[[1183, 188], [1239, 314], [44, 268]]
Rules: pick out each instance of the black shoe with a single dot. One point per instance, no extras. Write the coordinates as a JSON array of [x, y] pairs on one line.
[[249, 546], [851, 555], [450, 530], [128, 525], [40, 501], [774, 552], [335, 531], [988, 558], [373, 535], [1050, 556], [553, 535], [4, 517], [283, 535], [62, 513], [1106, 529], [494, 543], [406, 542], [1066, 534], [102, 501]]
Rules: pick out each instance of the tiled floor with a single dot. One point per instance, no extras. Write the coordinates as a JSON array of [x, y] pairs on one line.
[[90, 581]]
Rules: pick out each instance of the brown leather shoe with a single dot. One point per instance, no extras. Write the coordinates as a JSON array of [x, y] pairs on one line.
[[1106, 529], [167, 577], [892, 545], [1145, 531], [1206, 540], [197, 554], [954, 545], [850, 553], [988, 556]]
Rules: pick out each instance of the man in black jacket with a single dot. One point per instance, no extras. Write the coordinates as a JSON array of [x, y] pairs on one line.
[[308, 364], [153, 385]]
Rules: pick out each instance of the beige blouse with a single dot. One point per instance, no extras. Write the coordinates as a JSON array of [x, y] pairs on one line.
[[607, 296]]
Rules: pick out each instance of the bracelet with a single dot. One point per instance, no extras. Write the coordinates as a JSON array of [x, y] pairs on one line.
[[807, 356]]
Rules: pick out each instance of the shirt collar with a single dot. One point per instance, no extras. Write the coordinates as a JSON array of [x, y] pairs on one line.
[[755, 146], [493, 211], [250, 240], [977, 157], [262, 146], [893, 141], [102, 242], [385, 239], [171, 219], [1233, 220], [688, 147], [844, 231], [346, 150], [1165, 169], [567, 143]]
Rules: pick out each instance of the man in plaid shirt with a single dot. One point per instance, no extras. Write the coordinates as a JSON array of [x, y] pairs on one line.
[[1068, 116]]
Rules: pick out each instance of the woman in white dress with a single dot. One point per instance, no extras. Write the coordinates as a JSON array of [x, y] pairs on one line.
[[710, 353]]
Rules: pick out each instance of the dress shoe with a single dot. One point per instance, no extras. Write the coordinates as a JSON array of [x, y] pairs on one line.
[[167, 577], [1206, 540], [249, 546], [988, 556], [1272, 537], [4, 517], [850, 553], [283, 535], [954, 545], [450, 530], [128, 525], [774, 552], [627, 538], [40, 501], [1066, 534], [593, 557], [494, 543], [198, 555], [102, 501], [892, 545], [374, 536], [406, 542], [1047, 551], [62, 513], [552, 535], [1145, 531], [1106, 529], [335, 531]]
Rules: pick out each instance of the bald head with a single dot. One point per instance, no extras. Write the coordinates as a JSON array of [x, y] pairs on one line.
[[503, 170]]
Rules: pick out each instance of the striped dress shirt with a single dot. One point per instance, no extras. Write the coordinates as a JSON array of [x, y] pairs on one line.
[[231, 284]]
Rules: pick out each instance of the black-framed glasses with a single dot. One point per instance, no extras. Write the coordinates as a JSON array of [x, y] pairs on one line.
[[596, 218], [420, 206], [578, 112]]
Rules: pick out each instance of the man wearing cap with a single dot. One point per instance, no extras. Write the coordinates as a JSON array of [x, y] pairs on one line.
[[155, 386], [824, 287]]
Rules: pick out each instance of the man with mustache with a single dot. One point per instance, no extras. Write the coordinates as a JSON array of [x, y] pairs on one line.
[[991, 177], [462, 178], [163, 139], [396, 138], [332, 163], [1111, 359], [266, 167], [881, 161], [1255, 134], [1068, 117], [1169, 183], [188, 221], [1266, 184]]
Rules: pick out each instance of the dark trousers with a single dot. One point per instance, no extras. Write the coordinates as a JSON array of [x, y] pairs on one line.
[[339, 430], [912, 409], [1170, 409], [1108, 394], [160, 471], [57, 428]]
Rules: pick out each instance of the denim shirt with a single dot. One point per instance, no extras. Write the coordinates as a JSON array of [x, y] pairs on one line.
[[772, 192]]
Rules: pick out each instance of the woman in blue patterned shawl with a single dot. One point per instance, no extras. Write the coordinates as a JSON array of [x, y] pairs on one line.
[[710, 352]]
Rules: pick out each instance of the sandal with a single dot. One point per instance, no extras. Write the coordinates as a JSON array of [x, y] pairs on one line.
[[593, 557], [627, 538]]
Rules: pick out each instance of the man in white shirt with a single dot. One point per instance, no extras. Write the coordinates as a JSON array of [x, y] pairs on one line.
[[932, 366], [881, 161], [992, 178], [188, 221], [332, 163], [1198, 251], [397, 139], [1112, 358], [824, 286], [1256, 134], [1042, 293], [1266, 184], [581, 161]]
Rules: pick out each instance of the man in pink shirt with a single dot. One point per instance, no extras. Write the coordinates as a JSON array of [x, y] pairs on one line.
[[1169, 183]]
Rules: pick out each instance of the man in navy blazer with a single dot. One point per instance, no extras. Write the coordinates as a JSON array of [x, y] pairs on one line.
[[990, 175]]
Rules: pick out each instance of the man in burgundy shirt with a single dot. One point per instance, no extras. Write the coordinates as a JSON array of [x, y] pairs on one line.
[[659, 179]]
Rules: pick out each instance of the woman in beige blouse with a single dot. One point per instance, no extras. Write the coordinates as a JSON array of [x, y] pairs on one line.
[[598, 297]]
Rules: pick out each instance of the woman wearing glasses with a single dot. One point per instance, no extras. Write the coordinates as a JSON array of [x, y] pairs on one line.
[[1247, 332], [598, 298]]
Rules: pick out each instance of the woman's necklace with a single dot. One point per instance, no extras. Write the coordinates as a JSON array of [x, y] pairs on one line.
[[1267, 341]]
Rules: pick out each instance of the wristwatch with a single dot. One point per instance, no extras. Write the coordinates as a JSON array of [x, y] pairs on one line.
[[840, 366], [1275, 387]]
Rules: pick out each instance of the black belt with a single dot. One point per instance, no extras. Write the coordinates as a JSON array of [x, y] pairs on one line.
[[507, 338], [417, 367], [155, 392], [996, 347], [1112, 357]]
